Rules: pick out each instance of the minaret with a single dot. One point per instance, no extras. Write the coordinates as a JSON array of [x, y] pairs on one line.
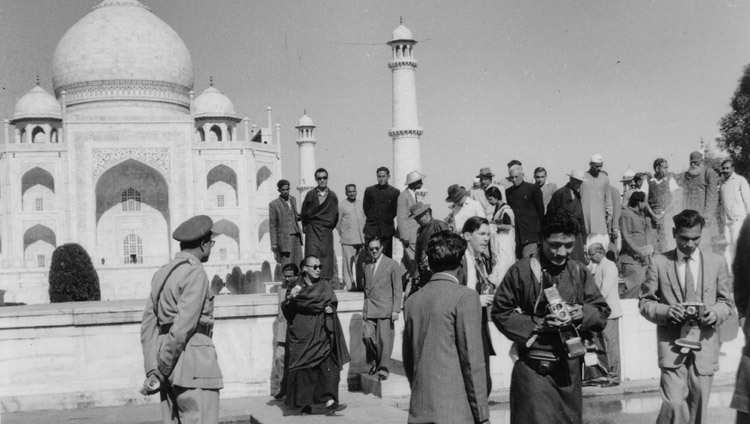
[[405, 131], [306, 142]]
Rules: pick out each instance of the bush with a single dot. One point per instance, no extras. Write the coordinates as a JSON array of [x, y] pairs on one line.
[[277, 275], [235, 280], [265, 272], [217, 284], [72, 277]]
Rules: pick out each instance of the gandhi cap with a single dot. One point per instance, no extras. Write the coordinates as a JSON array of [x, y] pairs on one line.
[[193, 229], [596, 158], [418, 209], [628, 176]]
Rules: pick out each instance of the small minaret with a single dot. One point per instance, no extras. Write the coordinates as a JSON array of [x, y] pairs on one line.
[[306, 142], [405, 131]]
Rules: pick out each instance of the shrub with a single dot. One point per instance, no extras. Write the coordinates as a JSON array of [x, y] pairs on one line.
[[217, 284], [72, 276], [265, 272]]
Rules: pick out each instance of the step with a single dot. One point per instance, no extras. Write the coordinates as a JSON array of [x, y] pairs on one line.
[[395, 386]]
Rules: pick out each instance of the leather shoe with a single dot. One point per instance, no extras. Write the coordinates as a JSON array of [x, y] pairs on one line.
[[279, 396], [610, 384], [335, 407], [382, 377], [373, 370]]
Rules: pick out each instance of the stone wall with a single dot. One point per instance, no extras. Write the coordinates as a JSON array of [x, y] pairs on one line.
[[75, 355]]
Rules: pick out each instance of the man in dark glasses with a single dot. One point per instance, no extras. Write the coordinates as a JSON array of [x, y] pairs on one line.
[[320, 214]]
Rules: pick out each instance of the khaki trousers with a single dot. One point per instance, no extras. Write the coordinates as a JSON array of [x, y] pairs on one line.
[[180, 405], [684, 395]]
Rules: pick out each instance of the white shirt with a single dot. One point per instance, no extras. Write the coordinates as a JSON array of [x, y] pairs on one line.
[[607, 279], [471, 269], [467, 210], [375, 265], [735, 196], [695, 268]]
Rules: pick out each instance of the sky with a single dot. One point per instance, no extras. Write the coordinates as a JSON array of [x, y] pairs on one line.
[[546, 82]]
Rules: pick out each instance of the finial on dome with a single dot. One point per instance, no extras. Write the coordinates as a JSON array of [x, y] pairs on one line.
[[401, 20], [37, 79], [211, 80], [304, 111]]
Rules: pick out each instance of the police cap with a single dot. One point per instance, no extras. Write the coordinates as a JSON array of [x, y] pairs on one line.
[[193, 229]]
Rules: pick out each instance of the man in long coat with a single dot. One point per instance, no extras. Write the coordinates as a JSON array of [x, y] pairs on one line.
[[380, 204], [527, 203], [286, 238], [568, 197], [407, 227], [320, 214], [596, 201]]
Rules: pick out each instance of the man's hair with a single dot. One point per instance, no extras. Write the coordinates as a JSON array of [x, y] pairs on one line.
[[445, 251], [372, 239], [688, 219], [636, 198], [597, 248], [290, 267], [350, 185], [472, 224], [729, 161], [560, 221], [540, 169], [658, 162], [283, 183], [319, 170], [185, 245], [304, 261], [383, 168], [493, 192], [514, 162]]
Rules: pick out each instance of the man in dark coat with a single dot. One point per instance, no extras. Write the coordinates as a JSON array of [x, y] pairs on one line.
[[320, 214], [286, 238], [527, 202], [428, 226], [442, 349], [381, 206], [569, 198], [548, 390], [741, 271]]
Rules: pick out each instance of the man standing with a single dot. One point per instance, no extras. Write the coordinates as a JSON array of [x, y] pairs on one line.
[[741, 270], [735, 197], [485, 181], [422, 214], [548, 189], [443, 353], [660, 199], [319, 215], [527, 203], [286, 239], [606, 279], [701, 194], [407, 228], [463, 207], [636, 252], [569, 198], [289, 273], [178, 353], [381, 205], [615, 241], [350, 225], [383, 296], [545, 386], [686, 274], [596, 201]]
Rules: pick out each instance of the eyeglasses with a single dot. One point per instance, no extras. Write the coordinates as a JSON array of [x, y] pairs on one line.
[[373, 249], [694, 162], [321, 178], [315, 267]]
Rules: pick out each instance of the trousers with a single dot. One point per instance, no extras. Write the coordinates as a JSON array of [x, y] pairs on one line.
[[181, 405], [684, 395], [378, 339]]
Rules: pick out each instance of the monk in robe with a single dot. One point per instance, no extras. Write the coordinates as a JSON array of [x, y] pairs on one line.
[[320, 214], [315, 342]]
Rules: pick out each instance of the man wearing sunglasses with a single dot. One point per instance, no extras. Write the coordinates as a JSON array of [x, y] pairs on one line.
[[320, 214]]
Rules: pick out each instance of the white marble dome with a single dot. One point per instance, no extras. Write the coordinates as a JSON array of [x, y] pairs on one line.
[[402, 33], [305, 121], [212, 103], [37, 103], [122, 41]]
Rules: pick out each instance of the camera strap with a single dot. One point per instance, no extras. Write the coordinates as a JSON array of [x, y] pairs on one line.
[[536, 271]]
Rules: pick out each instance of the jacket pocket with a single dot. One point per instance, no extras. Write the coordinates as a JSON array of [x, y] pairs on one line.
[[200, 358]]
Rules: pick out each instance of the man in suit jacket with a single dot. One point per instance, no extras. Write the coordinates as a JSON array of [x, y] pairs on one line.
[[686, 274], [286, 238], [407, 227], [442, 350], [380, 204], [527, 203], [382, 305]]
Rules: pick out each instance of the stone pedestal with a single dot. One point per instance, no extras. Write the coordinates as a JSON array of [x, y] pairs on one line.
[[395, 387]]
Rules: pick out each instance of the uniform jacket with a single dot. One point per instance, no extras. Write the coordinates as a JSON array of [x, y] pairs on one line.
[[528, 207], [351, 222], [662, 289], [187, 358], [283, 223], [443, 354], [407, 227], [383, 292], [380, 205]]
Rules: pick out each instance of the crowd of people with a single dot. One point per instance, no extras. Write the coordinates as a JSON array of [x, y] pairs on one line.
[[546, 265]]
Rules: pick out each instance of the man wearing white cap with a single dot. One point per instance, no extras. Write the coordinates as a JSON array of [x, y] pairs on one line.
[[407, 227], [596, 201]]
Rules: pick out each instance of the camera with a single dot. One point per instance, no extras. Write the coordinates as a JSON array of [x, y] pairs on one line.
[[557, 306], [568, 332], [693, 310]]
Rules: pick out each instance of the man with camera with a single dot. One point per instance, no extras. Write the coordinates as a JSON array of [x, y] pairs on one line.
[[546, 305], [686, 294]]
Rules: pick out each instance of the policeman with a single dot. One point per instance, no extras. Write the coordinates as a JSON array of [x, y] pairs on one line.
[[179, 355]]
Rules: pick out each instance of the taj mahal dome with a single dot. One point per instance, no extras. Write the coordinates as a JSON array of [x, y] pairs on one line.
[[121, 152]]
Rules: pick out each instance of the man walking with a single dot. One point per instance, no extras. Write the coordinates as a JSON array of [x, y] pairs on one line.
[[485, 181], [350, 226], [380, 204], [463, 206], [606, 279], [527, 203], [178, 353], [548, 189], [319, 215], [443, 353], [286, 238], [687, 339], [735, 197], [422, 214], [407, 228], [701, 194], [636, 251], [383, 296]]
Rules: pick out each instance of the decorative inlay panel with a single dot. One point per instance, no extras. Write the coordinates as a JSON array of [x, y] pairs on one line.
[[103, 158]]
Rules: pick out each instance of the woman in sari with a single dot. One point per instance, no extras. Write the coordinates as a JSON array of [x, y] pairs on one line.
[[315, 339], [502, 234]]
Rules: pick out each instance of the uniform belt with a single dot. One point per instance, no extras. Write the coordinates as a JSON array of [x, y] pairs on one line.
[[206, 329]]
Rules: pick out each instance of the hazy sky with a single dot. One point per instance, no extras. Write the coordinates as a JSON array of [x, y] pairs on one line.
[[545, 82]]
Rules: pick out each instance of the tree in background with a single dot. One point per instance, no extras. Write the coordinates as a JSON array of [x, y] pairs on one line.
[[265, 271], [217, 284], [72, 276], [277, 275], [735, 126], [235, 280]]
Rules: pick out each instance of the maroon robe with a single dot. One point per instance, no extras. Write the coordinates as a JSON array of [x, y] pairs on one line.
[[318, 221]]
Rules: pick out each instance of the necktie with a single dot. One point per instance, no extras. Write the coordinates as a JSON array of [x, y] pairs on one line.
[[689, 282]]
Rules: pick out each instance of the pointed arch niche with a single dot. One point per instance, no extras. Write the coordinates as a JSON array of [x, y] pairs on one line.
[[37, 190], [39, 241], [227, 246], [221, 182]]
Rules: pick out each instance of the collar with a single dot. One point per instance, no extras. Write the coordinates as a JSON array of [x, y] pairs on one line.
[[185, 255], [695, 256], [382, 187], [321, 192]]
